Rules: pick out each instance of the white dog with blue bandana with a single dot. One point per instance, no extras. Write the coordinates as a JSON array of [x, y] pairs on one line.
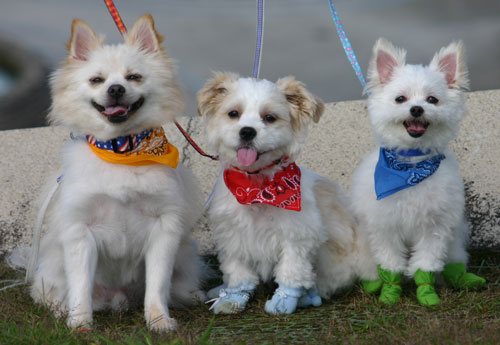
[[409, 195]]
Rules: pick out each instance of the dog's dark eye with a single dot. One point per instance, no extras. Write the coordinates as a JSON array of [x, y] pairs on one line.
[[432, 100], [233, 114], [269, 118], [400, 99], [133, 77], [96, 80]]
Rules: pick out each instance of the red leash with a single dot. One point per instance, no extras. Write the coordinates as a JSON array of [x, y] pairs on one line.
[[121, 27]]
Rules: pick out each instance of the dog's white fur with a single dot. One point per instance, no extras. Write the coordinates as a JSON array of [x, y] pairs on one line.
[[117, 232], [421, 227], [317, 246]]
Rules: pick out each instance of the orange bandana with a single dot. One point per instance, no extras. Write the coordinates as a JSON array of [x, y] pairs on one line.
[[146, 148]]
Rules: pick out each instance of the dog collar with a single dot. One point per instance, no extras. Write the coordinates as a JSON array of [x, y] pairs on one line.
[[282, 191], [393, 174], [148, 147]]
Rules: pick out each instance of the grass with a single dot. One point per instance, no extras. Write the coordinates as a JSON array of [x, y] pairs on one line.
[[463, 317]]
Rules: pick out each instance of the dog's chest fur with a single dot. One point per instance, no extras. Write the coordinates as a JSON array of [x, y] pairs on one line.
[[120, 204], [258, 233], [436, 202]]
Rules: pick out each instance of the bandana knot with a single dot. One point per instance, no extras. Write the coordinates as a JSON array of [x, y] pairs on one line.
[[148, 147], [393, 174], [282, 191]]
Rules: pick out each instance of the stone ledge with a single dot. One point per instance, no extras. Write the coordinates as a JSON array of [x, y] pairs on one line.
[[334, 149]]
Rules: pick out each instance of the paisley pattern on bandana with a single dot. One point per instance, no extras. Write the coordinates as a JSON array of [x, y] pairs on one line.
[[146, 148], [393, 174], [283, 191]]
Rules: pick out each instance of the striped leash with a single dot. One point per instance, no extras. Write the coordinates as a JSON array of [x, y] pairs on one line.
[[349, 51], [121, 27]]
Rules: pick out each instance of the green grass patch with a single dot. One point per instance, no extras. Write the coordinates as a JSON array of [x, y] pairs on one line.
[[463, 317]]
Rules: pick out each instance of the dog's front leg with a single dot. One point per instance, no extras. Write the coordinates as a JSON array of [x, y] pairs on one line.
[[294, 274], [428, 257], [80, 260], [160, 258], [294, 266], [429, 253]]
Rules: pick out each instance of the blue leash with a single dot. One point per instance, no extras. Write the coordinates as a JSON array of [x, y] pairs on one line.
[[349, 52], [258, 44]]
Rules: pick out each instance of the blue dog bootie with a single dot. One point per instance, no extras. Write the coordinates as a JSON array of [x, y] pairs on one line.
[[214, 292], [232, 300], [311, 298], [284, 300]]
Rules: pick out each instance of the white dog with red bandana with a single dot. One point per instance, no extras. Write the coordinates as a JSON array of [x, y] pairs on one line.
[[118, 226], [272, 219]]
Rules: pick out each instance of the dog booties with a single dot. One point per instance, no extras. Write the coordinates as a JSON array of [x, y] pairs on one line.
[[426, 294], [391, 286], [456, 276], [232, 300], [371, 286], [214, 292], [286, 299], [310, 298]]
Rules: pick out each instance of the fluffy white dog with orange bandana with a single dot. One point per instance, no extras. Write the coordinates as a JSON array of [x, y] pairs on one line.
[[272, 219], [118, 226]]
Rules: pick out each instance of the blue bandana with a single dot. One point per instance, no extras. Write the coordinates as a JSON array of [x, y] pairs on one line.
[[392, 174]]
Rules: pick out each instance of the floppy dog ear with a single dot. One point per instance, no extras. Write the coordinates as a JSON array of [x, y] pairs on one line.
[[83, 40], [304, 106], [214, 90], [144, 35], [385, 58], [450, 61]]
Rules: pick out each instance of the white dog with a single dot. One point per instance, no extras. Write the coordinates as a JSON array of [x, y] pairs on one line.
[[271, 218], [118, 226], [409, 195]]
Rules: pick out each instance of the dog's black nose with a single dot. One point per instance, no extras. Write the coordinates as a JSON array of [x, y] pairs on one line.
[[247, 133], [116, 91], [416, 111]]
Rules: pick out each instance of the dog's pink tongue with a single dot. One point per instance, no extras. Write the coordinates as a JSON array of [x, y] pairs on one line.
[[247, 156], [115, 110], [416, 127]]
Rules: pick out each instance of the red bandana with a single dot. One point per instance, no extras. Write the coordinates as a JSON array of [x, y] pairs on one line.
[[282, 191]]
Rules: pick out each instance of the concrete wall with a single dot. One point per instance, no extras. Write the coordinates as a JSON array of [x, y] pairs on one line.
[[334, 148]]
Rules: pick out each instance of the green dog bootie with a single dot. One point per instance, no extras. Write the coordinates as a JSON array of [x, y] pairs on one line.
[[371, 286], [457, 277], [391, 288], [426, 294]]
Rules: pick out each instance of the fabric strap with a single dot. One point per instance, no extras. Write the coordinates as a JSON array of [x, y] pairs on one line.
[[393, 174], [282, 191], [146, 148]]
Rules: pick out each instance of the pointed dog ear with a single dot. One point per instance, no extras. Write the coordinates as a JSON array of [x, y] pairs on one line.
[[385, 59], [304, 106], [214, 90], [144, 35], [83, 40], [450, 61]]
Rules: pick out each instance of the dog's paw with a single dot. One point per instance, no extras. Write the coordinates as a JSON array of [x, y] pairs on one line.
[[158, 320], [162, 324], [310, 298], [231, 300], [214, 292], [81, 321], [284, 300]]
